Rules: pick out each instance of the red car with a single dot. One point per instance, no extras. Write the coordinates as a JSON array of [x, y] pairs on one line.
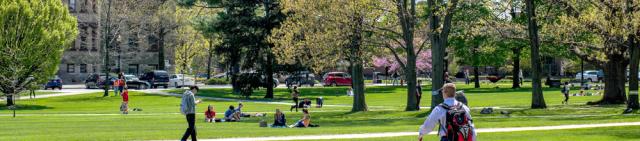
[[336, 78]]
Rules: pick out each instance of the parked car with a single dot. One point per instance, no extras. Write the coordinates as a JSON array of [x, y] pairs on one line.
[[91, 81], [156, 78], [336, 78], [53, 83], [180, 80], [300, 79], [101, 81], [590, 75], [133, 82]]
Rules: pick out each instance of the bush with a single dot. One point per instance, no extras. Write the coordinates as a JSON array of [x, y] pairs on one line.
[[217, 81]]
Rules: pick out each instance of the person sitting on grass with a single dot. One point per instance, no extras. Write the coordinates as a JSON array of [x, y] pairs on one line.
[[306, 103], [305, 121], [280, 121], [239, 111], [210, 114], [230, 115], [124, 107], [443, 115]]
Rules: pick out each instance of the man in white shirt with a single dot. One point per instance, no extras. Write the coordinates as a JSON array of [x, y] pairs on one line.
[[439, 115], [188, 108]]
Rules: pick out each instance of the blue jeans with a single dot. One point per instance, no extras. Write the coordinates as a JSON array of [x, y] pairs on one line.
[[117, 90], [443, 138]]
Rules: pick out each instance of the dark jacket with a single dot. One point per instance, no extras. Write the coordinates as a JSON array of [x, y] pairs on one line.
[[280, 122]]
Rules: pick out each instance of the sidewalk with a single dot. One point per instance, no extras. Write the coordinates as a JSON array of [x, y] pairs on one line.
[[398, 134]]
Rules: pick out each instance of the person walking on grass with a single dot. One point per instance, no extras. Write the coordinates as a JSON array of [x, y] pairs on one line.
[[295, 95], [124, 107], [466, 77], [565, 92], [188, 108], [452, 116], [418, 93]]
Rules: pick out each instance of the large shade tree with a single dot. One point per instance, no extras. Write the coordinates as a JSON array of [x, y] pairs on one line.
[[33, 37], [601, 33], [321, 33]]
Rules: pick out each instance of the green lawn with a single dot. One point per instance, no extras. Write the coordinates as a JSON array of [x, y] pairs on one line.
[[92, 117]]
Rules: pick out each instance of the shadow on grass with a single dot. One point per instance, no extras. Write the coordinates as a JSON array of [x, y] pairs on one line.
[[20, 107]]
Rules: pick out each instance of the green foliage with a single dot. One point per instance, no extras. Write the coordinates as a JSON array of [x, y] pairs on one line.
[[33, 37], [217, 81]]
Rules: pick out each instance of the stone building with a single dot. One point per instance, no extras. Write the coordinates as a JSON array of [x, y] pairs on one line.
[[138, 52]]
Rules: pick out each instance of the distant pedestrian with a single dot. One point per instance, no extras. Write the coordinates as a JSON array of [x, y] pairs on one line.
[[452, 116], [521, 77], [396, 78], [124, 107], [188, 108], [565, 91], [418, 93], [295, 94], [466, 77], [446, 77], [119, 84]]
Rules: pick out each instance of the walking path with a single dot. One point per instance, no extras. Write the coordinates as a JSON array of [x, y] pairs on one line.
[[398, 134]]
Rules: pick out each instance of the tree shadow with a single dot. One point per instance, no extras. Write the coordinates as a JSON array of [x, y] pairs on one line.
[[20, 107]]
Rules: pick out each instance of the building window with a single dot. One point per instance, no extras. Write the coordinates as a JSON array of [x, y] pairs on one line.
[[72, 5], [83, 68], [153, 43], [133, 41], [83, 38], [83, 7], [94, 6], [94, 36], [73, 45], [71, 68], [94, 67], [133, 69]]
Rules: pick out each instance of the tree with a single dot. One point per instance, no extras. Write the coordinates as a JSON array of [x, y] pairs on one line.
[[423, 62], [473, 40], [440, 15], [33, 38], [190, 43], [600, 33], [537, 101], [320, 33]]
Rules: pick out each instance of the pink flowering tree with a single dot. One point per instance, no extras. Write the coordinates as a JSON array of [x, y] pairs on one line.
[[423, 62]]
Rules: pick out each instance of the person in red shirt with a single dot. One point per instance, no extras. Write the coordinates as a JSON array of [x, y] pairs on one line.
[[124, 107], [119, 84], [210, 114]]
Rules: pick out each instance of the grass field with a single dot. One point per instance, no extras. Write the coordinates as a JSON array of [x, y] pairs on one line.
[[92, 117]]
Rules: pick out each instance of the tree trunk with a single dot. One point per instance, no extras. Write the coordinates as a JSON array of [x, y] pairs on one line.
[[633, 74], [235, 72], [357, 68], [161, 49], [407, 22], [476, 74], [437, 58], [10, 99], [516, 68], [614, 80], [269, 73], [537, 100]]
